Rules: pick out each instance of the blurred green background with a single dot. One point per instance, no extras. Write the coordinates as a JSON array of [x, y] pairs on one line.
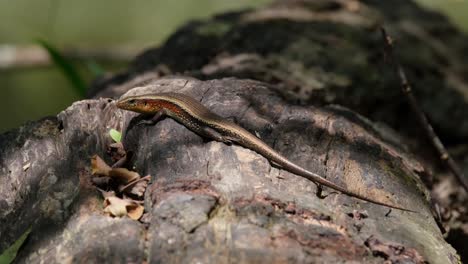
[[128, 27]]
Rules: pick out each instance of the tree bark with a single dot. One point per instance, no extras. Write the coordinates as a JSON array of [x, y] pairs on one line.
[[308, 80]]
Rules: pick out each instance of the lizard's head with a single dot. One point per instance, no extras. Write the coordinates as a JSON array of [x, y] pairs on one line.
[[139, 104]]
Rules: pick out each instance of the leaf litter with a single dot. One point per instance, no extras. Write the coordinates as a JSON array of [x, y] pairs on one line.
[[122, 189]]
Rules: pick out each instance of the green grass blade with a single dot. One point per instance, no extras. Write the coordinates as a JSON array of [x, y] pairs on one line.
[[67, 68], [10, 253]]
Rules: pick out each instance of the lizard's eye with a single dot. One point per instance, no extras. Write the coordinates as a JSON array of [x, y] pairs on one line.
[[132, 101]]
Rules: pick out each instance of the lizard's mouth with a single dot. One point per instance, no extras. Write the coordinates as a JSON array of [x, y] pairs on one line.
[[120, 104], [126, 104]]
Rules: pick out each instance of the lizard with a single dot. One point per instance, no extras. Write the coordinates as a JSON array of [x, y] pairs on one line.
[[196, 117]]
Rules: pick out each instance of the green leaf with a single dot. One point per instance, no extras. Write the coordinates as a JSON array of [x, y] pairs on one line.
[[67, 68], [115, 135], [10, 253]]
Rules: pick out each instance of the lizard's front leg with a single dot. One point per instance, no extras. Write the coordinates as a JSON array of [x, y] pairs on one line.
[[139, 120], [143, 120]]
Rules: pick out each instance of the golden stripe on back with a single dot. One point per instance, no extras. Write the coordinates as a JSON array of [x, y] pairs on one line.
[[189, 105]]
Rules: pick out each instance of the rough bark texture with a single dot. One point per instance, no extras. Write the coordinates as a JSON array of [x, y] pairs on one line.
[[210, 202]]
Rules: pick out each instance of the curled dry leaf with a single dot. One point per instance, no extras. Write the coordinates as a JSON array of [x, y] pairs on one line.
[[99, 166], [119, 207], [123, 175], [121, 162], [135, 211]]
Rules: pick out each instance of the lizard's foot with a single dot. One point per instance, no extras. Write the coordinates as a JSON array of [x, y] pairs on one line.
[[319, 192], [153, 120]]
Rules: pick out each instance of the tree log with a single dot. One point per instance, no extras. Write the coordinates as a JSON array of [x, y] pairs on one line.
[[317, 74]]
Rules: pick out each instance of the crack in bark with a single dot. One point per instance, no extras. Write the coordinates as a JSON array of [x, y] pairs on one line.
[[207, 169], [242, 115], [327, 156], [205, 92], [146, 243]]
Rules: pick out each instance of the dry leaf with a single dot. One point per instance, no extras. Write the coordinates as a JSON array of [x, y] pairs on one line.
[[118, 207], [136, 187], [124, 175], [99, 166], [139, 188], [135, 211], [101, 181], [26, 167], [107, 194], [115, 206], [116, 151]]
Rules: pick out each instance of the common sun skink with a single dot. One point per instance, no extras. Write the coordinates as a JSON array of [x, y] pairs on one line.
[[196, 117]]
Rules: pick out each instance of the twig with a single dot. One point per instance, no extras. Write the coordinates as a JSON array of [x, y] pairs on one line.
[[407, 91]]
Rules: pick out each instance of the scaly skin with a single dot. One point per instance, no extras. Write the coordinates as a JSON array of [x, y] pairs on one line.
[[193, 115]]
